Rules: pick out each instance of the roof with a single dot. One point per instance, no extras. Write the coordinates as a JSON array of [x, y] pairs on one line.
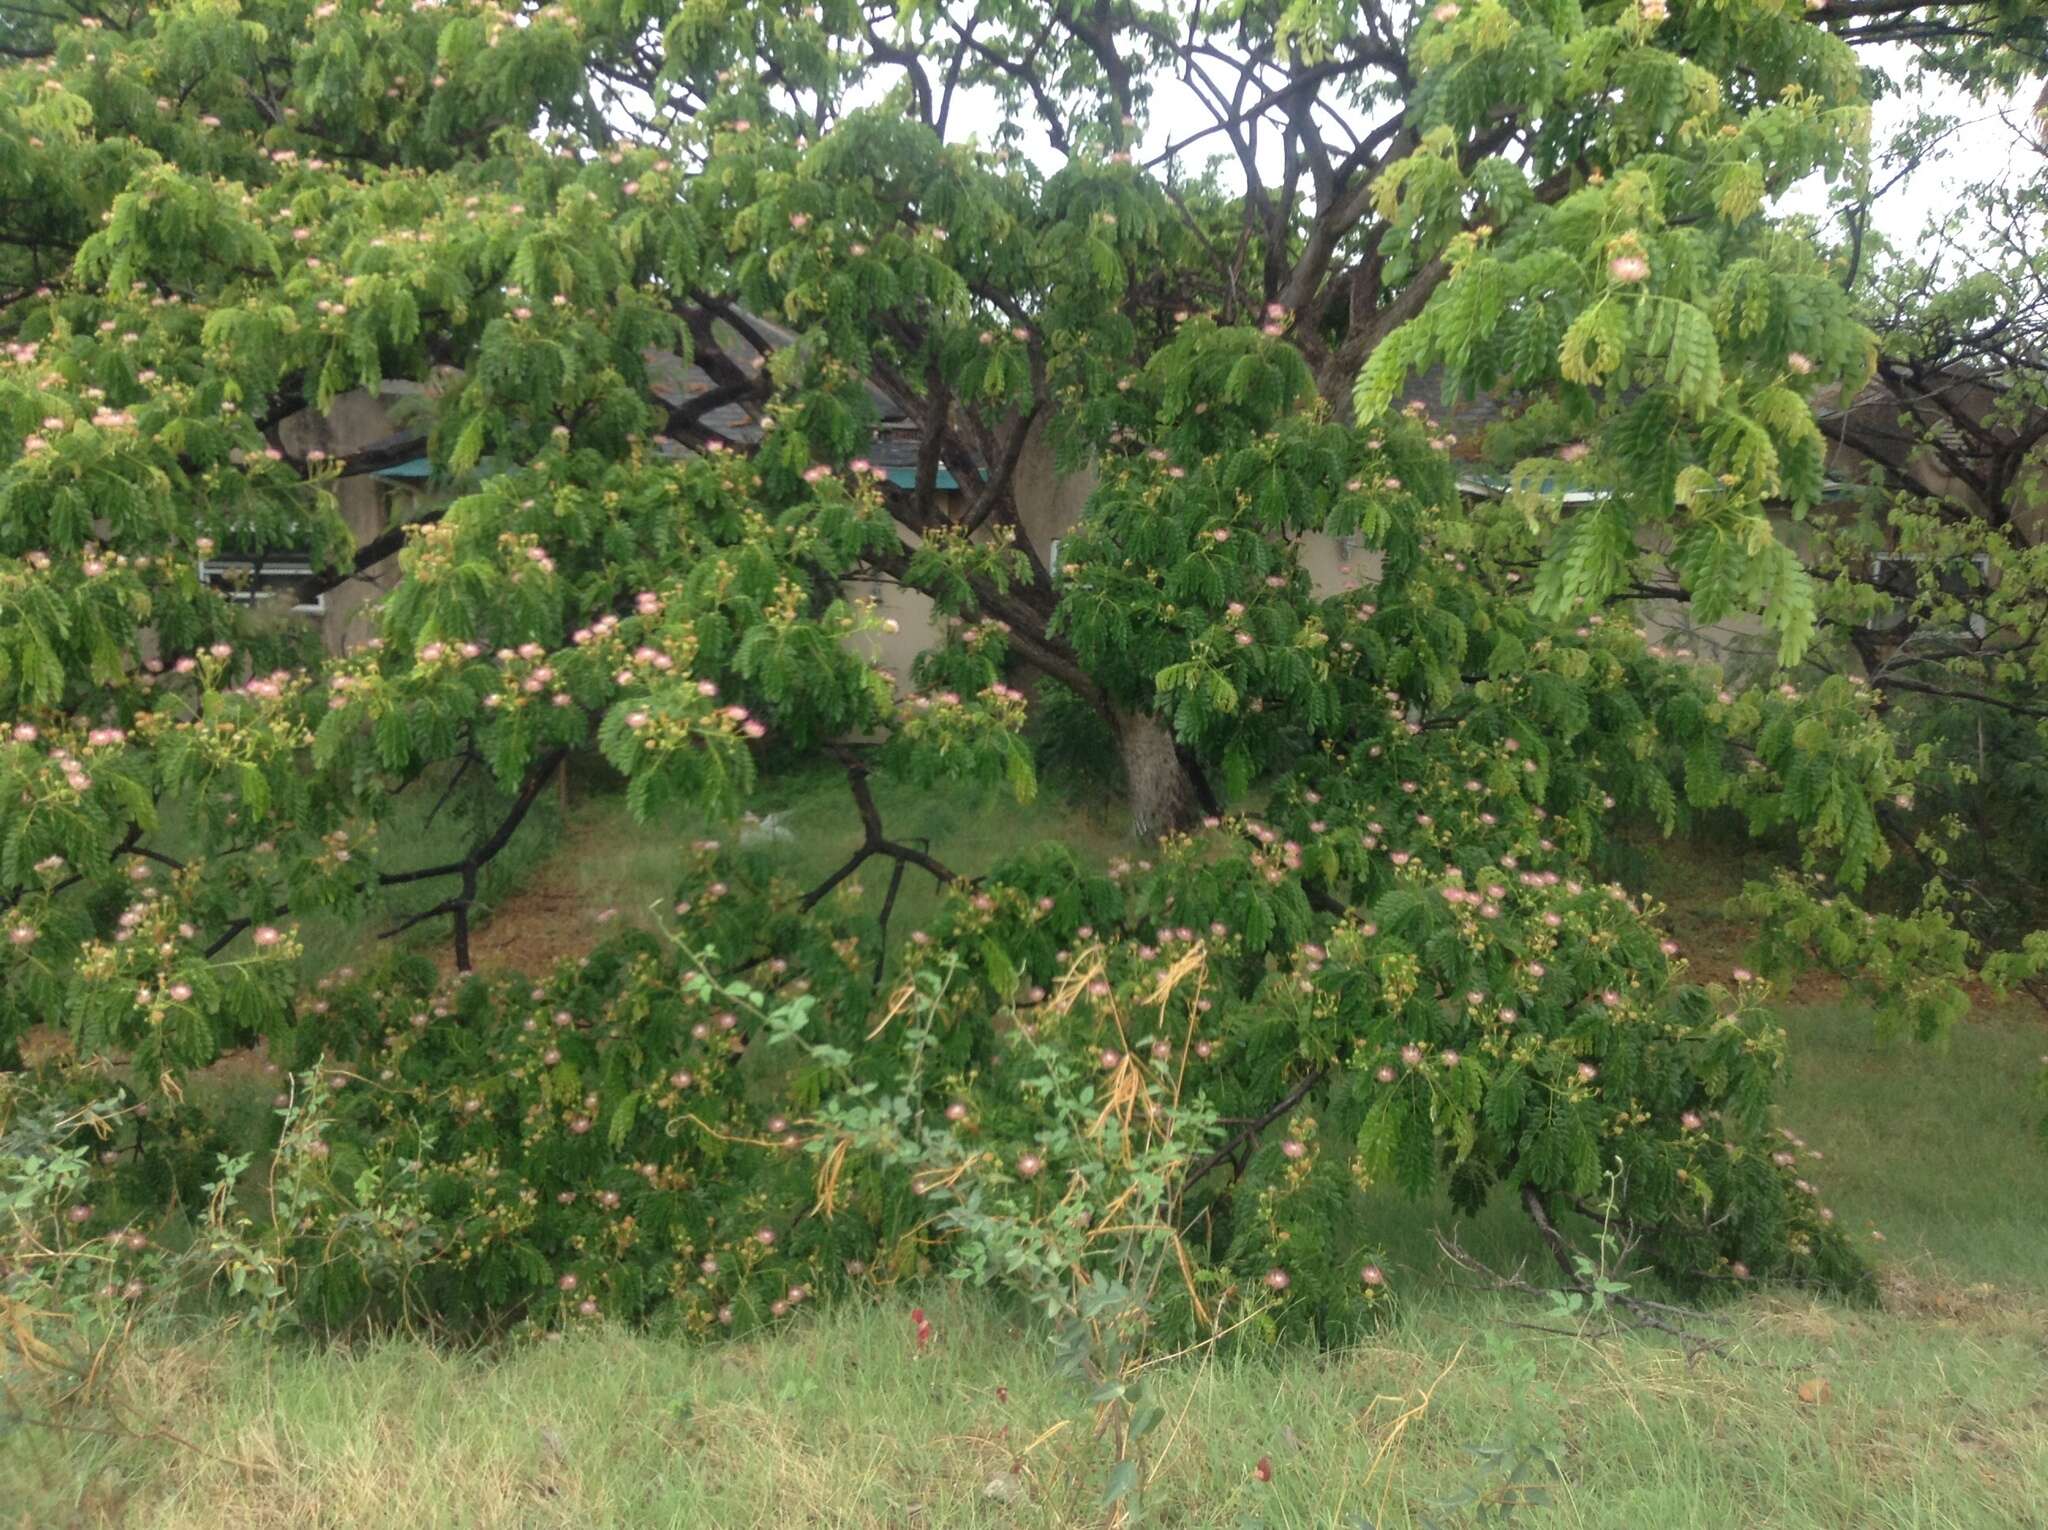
[[1480, 484], [1467, 419], [898, 453], [675, 382]]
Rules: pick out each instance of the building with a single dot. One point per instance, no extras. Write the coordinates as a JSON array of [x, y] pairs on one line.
[[1870, 437]]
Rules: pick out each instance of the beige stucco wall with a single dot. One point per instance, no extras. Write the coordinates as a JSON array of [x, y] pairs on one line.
[[1049, 503], [364, 501], [916, 626], [1736, 642]]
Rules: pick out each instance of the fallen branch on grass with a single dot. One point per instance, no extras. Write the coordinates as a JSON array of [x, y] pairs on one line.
[[1587, 1289]]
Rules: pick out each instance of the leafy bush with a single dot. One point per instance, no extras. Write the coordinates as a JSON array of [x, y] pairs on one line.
[[1058, 1093]]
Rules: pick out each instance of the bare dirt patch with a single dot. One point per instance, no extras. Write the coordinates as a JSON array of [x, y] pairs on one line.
[[549, 917]]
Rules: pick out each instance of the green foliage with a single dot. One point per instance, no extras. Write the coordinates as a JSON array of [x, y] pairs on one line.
[[654, 289]]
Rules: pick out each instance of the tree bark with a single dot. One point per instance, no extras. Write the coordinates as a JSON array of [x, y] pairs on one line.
[[1162, 794]]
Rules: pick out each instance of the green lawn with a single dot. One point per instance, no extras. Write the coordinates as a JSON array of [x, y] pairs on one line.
[[1930, 1412], [580, 862], [809, 827]]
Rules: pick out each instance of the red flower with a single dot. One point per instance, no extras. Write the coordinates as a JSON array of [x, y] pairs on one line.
[[922, 1328], [1264, 1470]]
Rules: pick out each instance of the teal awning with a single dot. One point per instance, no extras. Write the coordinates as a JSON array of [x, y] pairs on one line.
[[1495, 485], [906, 478]]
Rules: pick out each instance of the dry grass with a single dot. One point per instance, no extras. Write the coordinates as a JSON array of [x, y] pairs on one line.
[[1822, 1417]]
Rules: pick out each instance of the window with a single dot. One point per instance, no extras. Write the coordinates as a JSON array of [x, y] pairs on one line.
[[263, 579]]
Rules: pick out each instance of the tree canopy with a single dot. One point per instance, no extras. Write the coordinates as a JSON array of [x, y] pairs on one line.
[[1382, 814]]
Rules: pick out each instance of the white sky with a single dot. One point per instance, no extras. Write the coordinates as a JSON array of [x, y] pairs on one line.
[[1986, 143]]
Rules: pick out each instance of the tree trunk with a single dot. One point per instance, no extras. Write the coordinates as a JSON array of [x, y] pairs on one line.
[[1162, 793]]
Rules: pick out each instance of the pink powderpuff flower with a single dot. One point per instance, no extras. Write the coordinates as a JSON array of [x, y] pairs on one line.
[[1278, 1279], [1373, 1275], [1628, 268], [1029, 1165]]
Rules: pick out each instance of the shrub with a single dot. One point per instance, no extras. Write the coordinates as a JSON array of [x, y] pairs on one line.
[[1056, 1089]]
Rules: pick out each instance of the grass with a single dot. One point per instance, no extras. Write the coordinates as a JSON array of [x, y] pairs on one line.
[[809, 828], [1922, 1421], [1930, 1411], [431, 824], [609, 867], [1933, 1147], [579, 861]]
